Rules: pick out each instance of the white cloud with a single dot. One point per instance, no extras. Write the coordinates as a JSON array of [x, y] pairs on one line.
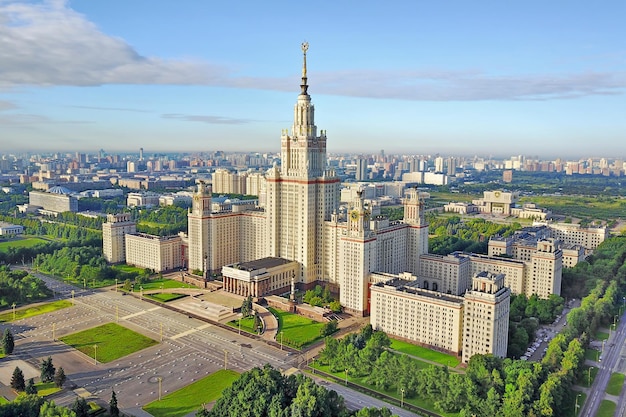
[[48, 44]]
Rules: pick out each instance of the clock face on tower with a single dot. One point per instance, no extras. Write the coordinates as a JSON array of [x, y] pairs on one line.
[[497, 194], [354, 215]]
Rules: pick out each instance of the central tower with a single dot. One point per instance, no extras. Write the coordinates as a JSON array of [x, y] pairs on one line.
[[301, 195]]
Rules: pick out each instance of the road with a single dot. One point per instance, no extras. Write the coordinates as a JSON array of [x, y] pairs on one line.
[[189, 349], [613, 359]]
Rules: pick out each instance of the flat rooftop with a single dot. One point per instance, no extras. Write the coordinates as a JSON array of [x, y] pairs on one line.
[[269, 262]]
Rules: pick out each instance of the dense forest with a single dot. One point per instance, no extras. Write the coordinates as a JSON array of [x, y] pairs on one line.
[[20, 288], [82, 264], [266, 392]]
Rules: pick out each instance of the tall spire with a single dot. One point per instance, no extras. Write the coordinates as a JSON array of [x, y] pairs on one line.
[[304, 86]]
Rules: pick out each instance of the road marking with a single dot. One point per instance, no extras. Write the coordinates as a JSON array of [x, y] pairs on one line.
[[190, 331], [130, 316]]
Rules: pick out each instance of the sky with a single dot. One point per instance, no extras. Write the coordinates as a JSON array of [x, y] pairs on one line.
[[545, 78]]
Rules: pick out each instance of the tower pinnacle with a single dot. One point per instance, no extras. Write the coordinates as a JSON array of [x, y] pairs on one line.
[[304, 86]]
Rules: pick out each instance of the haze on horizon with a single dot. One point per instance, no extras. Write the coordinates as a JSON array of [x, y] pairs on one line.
[[410, 77]]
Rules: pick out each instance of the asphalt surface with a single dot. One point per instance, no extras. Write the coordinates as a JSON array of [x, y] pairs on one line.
[[188, 350]]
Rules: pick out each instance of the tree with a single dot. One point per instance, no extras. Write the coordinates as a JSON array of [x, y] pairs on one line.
[[50, 409], [80, 407], [114, 411], [335, 306], [30, 387], [246, 306], [17, 380], [8, 342], [47, 370], [257, 321], [59, 377], [328, 328]]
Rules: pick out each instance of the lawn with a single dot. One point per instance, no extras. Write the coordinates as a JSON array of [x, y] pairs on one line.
[[158, 284], [297, 331], [20, 242], [165, 297], [246, 325], [47, 388], [107, 339], [424, 353], [191, 398], [592, 354], [3, 400], [615, 384], [34, 310], [129, 268], [601, 335], [607, 409]]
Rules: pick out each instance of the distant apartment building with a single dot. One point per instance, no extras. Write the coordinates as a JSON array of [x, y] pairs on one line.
[[114, 231], [148, 199], [57, 199], [574, 234], [158, 253]]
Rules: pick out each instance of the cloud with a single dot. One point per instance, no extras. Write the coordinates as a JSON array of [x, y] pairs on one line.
[[207, 119], [49, 44]]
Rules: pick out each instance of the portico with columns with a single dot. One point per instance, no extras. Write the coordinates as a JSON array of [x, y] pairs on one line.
[[260, 277]]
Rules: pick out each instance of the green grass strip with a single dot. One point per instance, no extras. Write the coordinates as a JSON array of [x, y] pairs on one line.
[[191, 398], [606, 409], [36, 310], [47, 388], [616, 382], [424, 353], [107, 339]]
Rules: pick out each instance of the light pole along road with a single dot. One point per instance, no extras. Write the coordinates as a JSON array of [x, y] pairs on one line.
[[613, 354]]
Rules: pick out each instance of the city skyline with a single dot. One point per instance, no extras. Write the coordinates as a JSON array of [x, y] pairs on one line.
[[462, 79]]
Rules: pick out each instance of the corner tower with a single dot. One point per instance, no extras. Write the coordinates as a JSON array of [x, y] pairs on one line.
[[303, 193], [198, 228]]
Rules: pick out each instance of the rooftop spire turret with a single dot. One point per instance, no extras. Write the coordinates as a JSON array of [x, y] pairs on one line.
[[304, 86]]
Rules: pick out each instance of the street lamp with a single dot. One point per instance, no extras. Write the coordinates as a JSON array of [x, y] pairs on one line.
[[115, 284], [313, 365], [576, 407], [281, 340], [225, 358], [589, 379], [85, 283], [72, 296], [13, 305], [346, 377], [160, 379], [95, 354], [141, 292], [239, 322], [402, 398], [53, 332]]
